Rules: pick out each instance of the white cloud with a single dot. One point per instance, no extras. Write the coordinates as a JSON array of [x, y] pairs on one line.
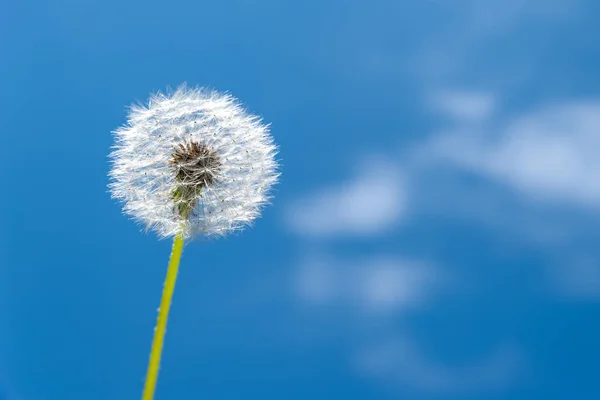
[[497, 43], [374, 285], [400, 362], [381, 289], [464, 105], [502, 16], [549, 154], [538, 183], [370, 204]]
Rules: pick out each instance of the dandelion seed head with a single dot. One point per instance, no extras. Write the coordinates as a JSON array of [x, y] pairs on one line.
[[193, 161]]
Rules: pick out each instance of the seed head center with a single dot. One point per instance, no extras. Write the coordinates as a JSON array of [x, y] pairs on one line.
[[195, 167]]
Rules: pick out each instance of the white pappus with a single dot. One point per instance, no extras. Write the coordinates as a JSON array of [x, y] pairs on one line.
[[193, 162]]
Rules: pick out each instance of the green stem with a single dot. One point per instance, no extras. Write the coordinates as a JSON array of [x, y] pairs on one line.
[[163, 315]]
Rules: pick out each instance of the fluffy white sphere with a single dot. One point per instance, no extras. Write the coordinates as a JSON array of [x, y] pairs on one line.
[[193, 162]]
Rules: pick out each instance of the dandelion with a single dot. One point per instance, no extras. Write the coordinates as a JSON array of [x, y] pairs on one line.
[[191, 163]]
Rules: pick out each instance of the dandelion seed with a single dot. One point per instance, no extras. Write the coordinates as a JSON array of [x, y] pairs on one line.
[[190, 163], [186, 156]]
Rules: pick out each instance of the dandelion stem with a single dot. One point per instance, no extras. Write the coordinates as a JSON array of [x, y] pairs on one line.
[[163, 315]]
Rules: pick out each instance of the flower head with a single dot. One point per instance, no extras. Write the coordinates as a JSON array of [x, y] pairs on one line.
[[193, 162]]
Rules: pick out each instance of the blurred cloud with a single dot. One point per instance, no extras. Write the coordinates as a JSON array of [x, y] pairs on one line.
[[382, 289], [466, 43], [400, 361], [549, 153], [537, 182], [463, 105], [373, 285], [530, 172], [371, 203], [496, 16], [537, 176]]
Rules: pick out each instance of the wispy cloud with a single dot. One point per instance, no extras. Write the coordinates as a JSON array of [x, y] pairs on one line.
[[529, 172], [371, 203], [383, 290], [549, 153], [498, 43], [373, 285], [536, 182], [400, 362], [537, 174], [463, 106]]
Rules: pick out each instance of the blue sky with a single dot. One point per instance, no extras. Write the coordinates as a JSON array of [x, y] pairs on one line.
[[434, 234]]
